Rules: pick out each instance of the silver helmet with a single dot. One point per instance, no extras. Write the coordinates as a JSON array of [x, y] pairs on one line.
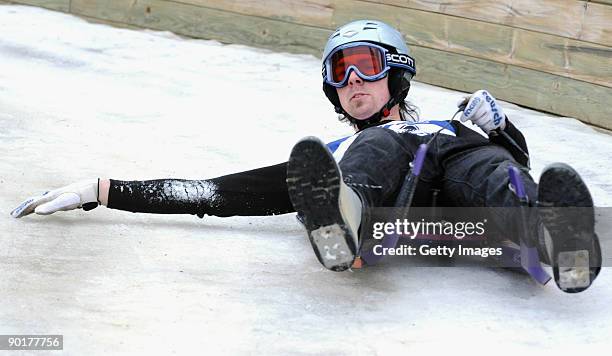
[[366, 31]]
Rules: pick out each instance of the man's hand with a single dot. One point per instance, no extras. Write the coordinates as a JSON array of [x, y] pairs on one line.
[[483, 110], [78, 195]]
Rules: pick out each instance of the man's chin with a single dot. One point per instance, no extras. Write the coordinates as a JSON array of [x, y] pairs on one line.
[[363, 116]]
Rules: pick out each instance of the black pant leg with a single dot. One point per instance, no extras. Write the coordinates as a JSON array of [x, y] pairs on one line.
[[376, 163], [478, 177]]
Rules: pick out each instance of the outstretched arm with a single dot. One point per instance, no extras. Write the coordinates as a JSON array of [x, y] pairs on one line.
[[261, 191]]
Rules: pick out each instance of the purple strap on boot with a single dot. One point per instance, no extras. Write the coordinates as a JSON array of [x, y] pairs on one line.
[[517, 183], [530, 260], [419, 158]]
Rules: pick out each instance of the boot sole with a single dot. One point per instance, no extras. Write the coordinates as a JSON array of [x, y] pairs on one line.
[[313, 182], [566, 208]]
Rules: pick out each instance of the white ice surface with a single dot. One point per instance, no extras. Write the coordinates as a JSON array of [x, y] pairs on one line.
[[81, 100]]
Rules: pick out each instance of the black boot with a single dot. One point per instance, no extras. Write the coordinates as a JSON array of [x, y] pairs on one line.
[[328, 208], [566, 208]]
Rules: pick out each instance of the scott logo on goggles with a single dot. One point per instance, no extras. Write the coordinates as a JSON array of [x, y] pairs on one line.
[[400, 58]]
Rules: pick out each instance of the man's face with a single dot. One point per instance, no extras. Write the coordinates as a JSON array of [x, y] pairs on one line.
[[362, 99]]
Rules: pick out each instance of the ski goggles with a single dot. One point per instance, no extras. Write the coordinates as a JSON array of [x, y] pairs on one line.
[[369, 61]]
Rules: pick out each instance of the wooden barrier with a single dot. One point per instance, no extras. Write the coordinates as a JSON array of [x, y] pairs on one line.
[[550, 55]]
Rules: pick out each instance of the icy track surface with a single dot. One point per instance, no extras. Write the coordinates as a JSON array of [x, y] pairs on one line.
[[81, 100]]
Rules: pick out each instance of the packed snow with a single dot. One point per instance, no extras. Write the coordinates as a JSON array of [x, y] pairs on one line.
[[81, 100]]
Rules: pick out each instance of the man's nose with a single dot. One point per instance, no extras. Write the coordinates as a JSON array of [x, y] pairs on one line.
[[354, 78]]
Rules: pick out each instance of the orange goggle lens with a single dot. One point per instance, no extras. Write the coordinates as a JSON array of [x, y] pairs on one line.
[[368, 60]]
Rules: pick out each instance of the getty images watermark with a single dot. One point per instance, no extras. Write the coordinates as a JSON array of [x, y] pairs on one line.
[[461, 236], [419, 237], [451, 233]]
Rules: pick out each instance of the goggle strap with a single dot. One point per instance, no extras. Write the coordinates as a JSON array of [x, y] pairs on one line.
[[400, 60]]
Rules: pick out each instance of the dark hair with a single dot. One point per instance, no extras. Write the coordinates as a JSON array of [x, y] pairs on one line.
[[408, 112]]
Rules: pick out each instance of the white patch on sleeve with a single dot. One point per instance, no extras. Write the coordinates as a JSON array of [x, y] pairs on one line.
[[418, 128], [341, 150]]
